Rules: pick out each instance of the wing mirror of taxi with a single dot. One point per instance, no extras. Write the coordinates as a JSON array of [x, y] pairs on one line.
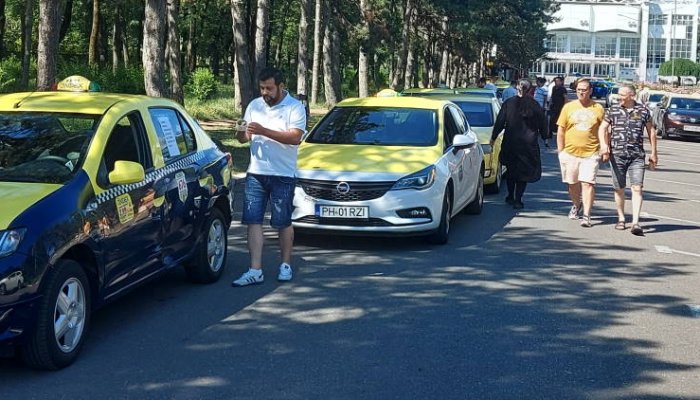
[[464, 141], [126, 172]]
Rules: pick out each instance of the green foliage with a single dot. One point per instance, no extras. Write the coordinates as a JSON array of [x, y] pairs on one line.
[[202, 84], [10, 72], [220, 106], [123, 80], [680, 67]]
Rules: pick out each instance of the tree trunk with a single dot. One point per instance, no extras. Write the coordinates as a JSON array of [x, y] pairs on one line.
[[27, 24], [94, 33], [173, 52], [400, 72], [331, 59], [262, 24], [410, 68], [190, 56], [2, 29], [118, 35], [302, 53], [154, 48], [65, 23], [50, 12], [363, 56], [280, 41], [444, 64], [243, 71], [317, 52]]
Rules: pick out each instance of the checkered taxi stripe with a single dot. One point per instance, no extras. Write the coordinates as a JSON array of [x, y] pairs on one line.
[[150, 177]]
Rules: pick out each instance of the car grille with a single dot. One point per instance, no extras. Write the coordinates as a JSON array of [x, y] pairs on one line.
[[359, 191], [310, 219]]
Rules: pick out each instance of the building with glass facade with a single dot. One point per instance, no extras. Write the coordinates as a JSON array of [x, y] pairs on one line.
[[621, 39]]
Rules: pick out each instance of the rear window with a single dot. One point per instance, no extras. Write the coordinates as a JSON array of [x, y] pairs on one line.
[[656, 97], [382, 126], [478, 114]]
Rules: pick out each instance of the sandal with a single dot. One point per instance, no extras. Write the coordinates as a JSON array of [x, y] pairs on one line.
[[637, 230], [620, 226]]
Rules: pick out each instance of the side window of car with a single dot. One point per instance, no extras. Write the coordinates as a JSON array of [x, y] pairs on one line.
[[176, 137], [461, 121], [127, 142], [450, 128]]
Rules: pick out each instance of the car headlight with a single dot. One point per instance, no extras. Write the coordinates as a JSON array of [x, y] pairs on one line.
[[487, 148], [422, 179], [675, 117], [9, 241]]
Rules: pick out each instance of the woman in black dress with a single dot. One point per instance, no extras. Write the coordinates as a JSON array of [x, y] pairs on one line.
[[524, 123]]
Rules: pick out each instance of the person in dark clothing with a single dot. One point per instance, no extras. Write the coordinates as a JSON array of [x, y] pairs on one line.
[[523, 120], [556, 103]]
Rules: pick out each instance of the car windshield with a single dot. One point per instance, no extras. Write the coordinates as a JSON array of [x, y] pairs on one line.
[[384, 126], [43, 147], [614, 90], [478, 93], [685, 103], [477, 113], [655, 97]]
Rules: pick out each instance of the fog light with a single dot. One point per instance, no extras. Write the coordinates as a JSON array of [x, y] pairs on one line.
[[418, 212]]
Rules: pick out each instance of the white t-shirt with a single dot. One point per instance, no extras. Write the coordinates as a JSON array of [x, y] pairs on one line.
[[268, 156]]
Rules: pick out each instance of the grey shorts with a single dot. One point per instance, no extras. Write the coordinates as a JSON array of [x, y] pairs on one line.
[[621, 165]]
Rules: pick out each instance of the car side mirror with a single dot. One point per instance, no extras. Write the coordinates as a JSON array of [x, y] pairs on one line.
[[465, 141], [126, 172]]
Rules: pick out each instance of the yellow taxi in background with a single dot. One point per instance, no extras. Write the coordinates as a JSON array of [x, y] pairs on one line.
[[100, 193], [481, 113], [424, 92], [389, 166]]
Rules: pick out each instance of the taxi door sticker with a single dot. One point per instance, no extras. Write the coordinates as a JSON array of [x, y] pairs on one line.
[[169, 134], [125, 208], [181, 186]]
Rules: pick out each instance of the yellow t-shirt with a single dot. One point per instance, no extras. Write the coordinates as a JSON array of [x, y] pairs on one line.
[[581, 127]]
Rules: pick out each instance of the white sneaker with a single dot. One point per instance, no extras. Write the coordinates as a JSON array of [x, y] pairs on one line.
[[250, 277], [285, 272]]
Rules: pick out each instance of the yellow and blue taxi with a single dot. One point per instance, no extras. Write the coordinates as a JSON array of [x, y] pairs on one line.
[[100, 192], [389, 166], [481, 113]]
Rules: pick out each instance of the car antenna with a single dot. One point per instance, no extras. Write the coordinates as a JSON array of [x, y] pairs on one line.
[[19, 103]]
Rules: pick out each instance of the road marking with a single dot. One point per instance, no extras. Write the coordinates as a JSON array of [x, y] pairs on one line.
[[682, 162], [668, 250], [647, 215], [677, 183]]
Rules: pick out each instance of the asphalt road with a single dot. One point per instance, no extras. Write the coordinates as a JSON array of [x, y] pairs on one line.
[[525, 305]]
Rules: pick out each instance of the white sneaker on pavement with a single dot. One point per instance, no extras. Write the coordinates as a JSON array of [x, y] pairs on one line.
[[250, 277], [285, 273]]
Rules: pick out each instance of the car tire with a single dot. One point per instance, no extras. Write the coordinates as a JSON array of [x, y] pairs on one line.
[[209, 259], [65, 284], [495, 187], [442, 234], [664, 132], [477, 205]]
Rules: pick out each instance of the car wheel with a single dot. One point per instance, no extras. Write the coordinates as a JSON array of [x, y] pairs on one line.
[[63, 318], [441, 235], [664, 132], [477, 205], [496, 186], [209, 260]]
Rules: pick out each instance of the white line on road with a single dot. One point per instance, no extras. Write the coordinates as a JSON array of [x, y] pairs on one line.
[[667, 181], [647, 215], [668, 250], [682, 162]]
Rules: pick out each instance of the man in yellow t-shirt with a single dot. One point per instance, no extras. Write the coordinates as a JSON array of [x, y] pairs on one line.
[[577, 145]]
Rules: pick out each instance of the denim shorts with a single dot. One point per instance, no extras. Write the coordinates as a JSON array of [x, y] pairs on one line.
[[621, 165], [261, 188]]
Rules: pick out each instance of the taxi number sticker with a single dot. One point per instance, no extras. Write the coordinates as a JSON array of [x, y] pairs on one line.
[[181, 186], [125, 208], [170, 141]]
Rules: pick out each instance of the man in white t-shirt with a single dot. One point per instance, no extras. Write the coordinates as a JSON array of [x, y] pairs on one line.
[[275, 123]]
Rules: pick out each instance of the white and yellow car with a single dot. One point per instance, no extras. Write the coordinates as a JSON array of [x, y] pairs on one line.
[[402, 165]]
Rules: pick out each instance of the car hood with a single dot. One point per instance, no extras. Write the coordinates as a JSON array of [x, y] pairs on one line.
[[16, 197], [366, 158]]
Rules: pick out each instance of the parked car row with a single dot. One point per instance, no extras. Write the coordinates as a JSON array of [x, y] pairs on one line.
[[678, 115]]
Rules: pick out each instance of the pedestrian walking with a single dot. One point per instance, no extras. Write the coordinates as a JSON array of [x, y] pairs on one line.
[[621, 137], [274, 125], [578, 146], [510, 91], [541, 99], [524, 123]]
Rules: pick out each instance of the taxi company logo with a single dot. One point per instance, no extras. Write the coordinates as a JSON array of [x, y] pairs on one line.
[[343, 187]]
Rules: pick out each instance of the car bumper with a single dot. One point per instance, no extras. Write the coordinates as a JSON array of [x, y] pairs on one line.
[[490, 168], [16, 319], [683, 129], [17, 304], [384, 213]]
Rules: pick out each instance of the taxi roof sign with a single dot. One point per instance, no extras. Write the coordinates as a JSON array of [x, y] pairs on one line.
[[77, 83]]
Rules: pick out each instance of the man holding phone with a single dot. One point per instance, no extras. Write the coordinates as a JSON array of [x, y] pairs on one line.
[[621, 137]]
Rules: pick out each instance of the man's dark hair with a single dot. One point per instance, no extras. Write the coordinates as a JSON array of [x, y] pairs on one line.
[[482, 80], [271, 72]]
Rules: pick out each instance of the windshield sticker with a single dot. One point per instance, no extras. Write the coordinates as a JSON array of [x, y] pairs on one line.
[[181, 186], [169, 134], [125, 208]]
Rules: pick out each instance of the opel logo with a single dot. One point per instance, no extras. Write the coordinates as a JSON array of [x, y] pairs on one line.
[[343, 187]]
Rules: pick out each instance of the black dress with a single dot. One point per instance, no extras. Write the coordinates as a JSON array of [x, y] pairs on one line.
[[524, 124], [556, 104]]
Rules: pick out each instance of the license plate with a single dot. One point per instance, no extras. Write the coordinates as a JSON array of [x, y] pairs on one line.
[[342, 212], [691, 128]]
